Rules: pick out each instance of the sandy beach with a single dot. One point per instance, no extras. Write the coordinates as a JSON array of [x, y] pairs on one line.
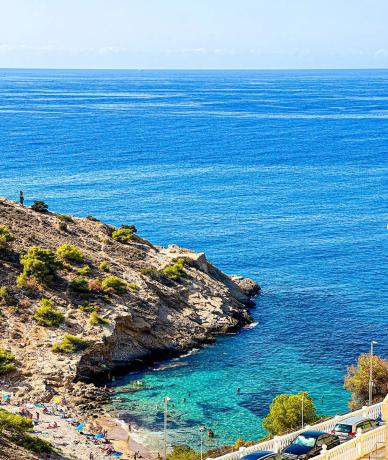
[[55, 424]]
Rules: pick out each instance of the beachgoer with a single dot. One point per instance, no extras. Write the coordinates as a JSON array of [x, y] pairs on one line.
[[210, 433], [129, 426], [238, 390], [91, 456], [21, 196]]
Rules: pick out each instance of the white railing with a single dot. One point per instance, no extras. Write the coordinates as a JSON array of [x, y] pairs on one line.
[[363, 444], [278, 443]]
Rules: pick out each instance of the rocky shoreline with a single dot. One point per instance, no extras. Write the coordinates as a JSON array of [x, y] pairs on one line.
[[173, 300]]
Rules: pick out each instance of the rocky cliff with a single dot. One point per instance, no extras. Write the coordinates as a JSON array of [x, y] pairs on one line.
[[169, 300]]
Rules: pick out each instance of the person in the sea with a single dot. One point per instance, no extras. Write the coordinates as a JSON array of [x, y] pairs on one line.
[[21, 197], [238, 390], [210, 433]]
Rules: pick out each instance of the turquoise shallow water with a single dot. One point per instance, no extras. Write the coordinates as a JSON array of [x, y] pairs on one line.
[[280, 176]]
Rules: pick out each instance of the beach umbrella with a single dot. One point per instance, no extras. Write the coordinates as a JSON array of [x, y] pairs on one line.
[[117, 454], [7, 396], [99, 436], [80, 426], [56, 399]]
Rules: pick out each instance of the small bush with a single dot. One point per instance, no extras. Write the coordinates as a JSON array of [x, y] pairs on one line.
[[39, 206], [5, 237], [123, 235], [85, 270], [69, 344], [114, 284], [133, 287], [30, 283], [34, 444], [79, 285], [95, 285], [14, 423], [6, 364], [96, 320], [5, 296], [70, 253], [176, 271], [150, 272], [65, 218], [39, 263], [47, 315], [132, 228], [104, 267], [88, 306]]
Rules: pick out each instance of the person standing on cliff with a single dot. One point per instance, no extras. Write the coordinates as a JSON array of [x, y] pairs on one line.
[[21, 198]]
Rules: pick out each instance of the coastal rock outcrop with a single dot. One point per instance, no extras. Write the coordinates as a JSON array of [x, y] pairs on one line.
[[169, 301]]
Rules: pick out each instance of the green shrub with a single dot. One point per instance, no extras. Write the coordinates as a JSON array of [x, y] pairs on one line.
[[65, 218], [104, 267], [70, 253], [5, 237], [85, 270], [114, 284], [39, 206], [122, 235], [14, 423], [5, 296], [39, 263], [133, 287], [47, 315], [132, 228], [6, 363], [183, 453], [34, 444], [176, 271], [79, 285], [286, 411], [88, 306], [97, 320], [69, 344], [150, 272]]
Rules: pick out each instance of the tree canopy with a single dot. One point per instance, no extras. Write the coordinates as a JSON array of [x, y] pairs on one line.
[[357, 380], [285, 414]]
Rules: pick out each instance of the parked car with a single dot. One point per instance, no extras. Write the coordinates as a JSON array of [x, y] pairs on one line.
[[262, 454], [347, 429], [309, 444]]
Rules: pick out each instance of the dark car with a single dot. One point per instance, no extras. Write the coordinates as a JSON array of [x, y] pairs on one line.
[[262, 454], [309, 444]]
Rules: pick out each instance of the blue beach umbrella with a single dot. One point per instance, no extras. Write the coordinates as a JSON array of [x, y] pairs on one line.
[[99, 436], [80, 426], [7, 396], [117, 454]]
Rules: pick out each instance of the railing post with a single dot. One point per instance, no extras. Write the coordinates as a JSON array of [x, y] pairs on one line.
[[384, 416], [276, 444], [324, 451], [359, 443], [242, 450], [364, 410]]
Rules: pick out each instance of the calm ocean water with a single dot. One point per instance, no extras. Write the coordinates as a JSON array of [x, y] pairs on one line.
[[280, 176]]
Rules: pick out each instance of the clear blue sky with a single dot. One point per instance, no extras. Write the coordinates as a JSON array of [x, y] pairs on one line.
[[194, 33]]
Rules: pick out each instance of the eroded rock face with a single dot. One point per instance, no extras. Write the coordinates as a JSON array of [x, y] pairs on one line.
[[248, 286], [157, 317]]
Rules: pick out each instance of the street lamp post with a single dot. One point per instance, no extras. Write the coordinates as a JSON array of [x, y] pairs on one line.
[[372, 342], [166, 401], [201, 431]]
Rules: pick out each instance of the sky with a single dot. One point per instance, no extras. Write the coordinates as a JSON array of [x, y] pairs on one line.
[[195, 34]]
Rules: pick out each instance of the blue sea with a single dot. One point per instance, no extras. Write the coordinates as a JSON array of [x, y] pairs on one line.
[[279, 176]]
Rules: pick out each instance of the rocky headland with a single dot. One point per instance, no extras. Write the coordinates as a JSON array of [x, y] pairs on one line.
[[99, 301]]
